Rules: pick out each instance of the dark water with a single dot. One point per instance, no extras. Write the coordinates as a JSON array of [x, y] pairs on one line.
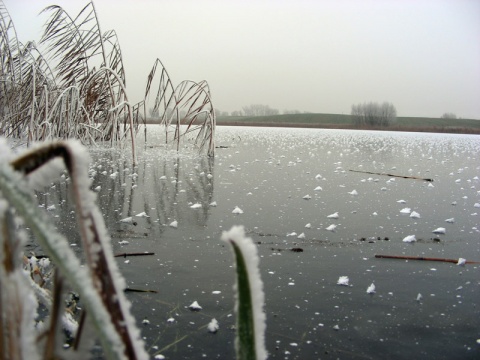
[[267, 173]]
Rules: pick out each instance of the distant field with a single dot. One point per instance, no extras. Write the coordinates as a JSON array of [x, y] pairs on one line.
[[345, 122]]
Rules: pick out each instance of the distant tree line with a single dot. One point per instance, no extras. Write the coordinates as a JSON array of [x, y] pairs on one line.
[[373, 114], [257, 110]]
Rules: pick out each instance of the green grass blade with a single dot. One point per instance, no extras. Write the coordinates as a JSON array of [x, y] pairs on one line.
[[250, 336]]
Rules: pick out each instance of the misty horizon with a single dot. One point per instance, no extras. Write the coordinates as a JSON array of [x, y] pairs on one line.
[[309, 56]]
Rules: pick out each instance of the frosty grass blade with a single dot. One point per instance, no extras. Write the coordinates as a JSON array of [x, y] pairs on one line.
[[251, 325]]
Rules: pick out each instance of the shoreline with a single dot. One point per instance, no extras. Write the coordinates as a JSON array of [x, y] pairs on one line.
[[435, 129]]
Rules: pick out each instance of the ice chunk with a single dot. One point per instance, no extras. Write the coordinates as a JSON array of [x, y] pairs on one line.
[[195, 306], [174, 224], [439, 231], [301, 236], [307, 197], [419, 297], [142, 214], [237, 210], [331, 227], [343, 280], [308, 226], [213, 204], [318, 188], [451, 220], [196, 206], [415, 215], [213, 326], [409, 239], [461, 261], [353, 192], [406, 210], [333, 216], [371, 289]]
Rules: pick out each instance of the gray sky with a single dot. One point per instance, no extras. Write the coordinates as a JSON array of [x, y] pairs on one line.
[[310, 55]]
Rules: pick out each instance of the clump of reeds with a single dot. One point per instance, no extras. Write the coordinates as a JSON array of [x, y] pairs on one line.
[[74, 86]]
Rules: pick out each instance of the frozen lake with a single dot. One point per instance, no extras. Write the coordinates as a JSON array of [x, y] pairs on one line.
[[288, 182]]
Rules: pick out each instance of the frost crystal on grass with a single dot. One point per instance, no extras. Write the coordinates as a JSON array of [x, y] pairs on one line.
[[236, 236]]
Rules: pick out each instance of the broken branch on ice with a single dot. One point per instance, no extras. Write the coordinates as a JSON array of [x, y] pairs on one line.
[[393, 175], [455, 261]]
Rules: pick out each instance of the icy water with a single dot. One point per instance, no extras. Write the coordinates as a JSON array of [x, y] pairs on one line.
[[287, 182]]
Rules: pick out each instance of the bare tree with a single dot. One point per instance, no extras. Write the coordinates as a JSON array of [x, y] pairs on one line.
[[448, 116], [373, 114]]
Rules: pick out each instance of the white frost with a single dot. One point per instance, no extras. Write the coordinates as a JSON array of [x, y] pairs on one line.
[[371, 289], [343, 280], [439, 231], [409, 239], [195, 306], [237, 236], [237, 210], [213, 326], [331, 227]]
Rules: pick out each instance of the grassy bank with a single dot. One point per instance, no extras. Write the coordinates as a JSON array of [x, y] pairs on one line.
[[337, 121]]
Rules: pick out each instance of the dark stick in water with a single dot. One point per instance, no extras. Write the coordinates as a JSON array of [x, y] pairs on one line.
[[422, 258], [393, 175]]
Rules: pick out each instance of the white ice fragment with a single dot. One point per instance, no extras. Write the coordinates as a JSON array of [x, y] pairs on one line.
[[419, 297], [216, 292], [128, 220], [195, 306], [336, 327], [439, 231], [114, 175], [333, 216], [331, 227], [318, 188], [145, 321], [213, 204], [401, 201], [301, 236], [170, 320], [409, 239], [308, 226], [159, 357], [371, 289], [353, 192], [237, 210], [163, 177], [213, 326], [406, 210], [292, 234], [451, 220], [318, 177], [174, 224], [196, 206], [51, 207], [142, 214], [461, 261], [98, 188], [307, 197], [375, 214], [415, 215], [477, 205], [343, 280], [123, 242]]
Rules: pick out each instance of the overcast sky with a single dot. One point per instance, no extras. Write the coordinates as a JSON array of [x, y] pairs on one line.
[[309, 55]]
